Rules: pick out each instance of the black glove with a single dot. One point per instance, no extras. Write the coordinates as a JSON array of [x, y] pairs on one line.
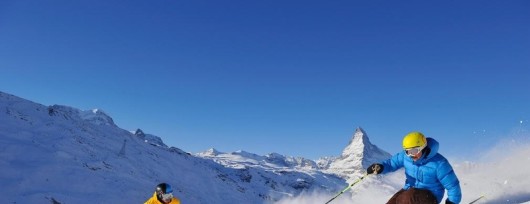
[[375, 169], [448, 202]]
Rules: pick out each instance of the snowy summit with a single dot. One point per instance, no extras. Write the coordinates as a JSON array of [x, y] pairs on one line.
[[355, 157]]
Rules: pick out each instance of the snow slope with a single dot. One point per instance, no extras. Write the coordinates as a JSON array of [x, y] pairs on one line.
[[60, 154], [70, 156]]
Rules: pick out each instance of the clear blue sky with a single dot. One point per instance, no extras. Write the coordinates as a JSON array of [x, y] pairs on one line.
[[293, 77]]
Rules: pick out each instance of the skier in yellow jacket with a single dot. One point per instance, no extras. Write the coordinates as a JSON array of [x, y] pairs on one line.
[[163, 195]]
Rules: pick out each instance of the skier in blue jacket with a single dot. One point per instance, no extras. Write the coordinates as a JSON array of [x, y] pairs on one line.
[[428, 173]]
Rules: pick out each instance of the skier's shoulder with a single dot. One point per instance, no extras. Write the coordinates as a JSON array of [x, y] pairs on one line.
[[152, 199]]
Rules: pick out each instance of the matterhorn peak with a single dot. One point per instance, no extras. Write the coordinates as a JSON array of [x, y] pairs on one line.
[[356, 157], [357, 143]]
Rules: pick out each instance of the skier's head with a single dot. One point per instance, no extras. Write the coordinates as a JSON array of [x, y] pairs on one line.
[[164, 192], [413, 143]]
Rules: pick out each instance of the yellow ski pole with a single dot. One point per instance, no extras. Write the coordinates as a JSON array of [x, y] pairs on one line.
[[349, 186]]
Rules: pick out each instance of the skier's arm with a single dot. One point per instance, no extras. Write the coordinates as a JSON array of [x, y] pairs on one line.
[[394, 163], [448, 178]]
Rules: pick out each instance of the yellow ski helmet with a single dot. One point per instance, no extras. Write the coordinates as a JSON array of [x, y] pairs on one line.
[[414, 139]]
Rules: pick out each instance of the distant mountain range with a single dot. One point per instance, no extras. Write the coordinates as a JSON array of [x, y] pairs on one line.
[[60, 154]]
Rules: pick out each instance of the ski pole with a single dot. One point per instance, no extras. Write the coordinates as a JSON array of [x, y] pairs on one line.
[[474, 201], [349, 186]]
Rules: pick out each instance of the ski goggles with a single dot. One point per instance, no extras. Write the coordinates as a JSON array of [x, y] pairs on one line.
[[413, 151], [167, 197]]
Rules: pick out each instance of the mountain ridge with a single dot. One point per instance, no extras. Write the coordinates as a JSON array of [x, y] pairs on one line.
[[64, 144]]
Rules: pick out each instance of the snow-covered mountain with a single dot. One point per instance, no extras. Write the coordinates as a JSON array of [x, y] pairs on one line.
[[272, 161], [355, 158], [60, 154], [350, 165]]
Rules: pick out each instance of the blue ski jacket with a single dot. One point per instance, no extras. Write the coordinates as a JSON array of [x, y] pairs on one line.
[[432, 172]]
